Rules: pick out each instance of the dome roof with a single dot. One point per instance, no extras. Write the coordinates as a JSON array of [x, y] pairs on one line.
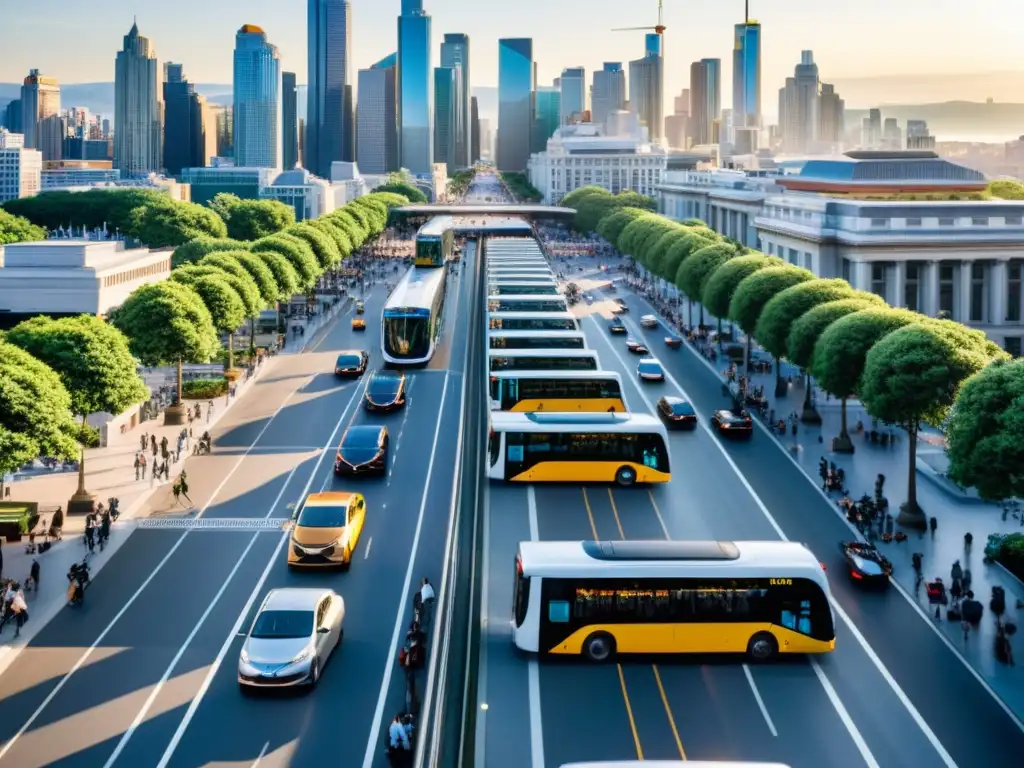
[[251, 29], [297, 177]]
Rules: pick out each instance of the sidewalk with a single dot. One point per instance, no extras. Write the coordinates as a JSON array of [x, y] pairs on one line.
[[957, 513]]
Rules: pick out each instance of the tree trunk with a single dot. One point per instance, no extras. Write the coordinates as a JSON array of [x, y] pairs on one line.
[[843, 443], [252, 333], [231, 350], [810, 414], [911, 515], [179, 398], [81, 464], [781, 387], [701, 316], [689, 312]]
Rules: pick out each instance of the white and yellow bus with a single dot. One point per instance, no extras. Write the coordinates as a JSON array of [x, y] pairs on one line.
[[532, 321], [578, 448], [536, 340], [597, 599], [542, 360], [557, 392]]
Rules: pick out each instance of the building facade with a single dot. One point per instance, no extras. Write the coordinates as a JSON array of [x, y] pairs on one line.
[[377, 118], [20, 168], [746, 76], [40, 101], [257, 103], [455, 55], [138, 107], [289, 121], [608, 92], [447, 81], [647, 88], [517, 84], [415, 90], [330, 121], [548, 116], [66, 174], [245, 182], [474, 136], [190, 135], [705, 100], [309, 196], [572, 86], [12, 116]]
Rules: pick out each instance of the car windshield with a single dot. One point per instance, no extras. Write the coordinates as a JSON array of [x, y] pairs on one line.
[[650, 367], [323, 516], [682, 409], [383, 385], [361, 437], [349, 361], [282, 625]]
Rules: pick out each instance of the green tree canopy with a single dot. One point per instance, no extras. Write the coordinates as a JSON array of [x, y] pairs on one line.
[[356, 232], [301, 258], [984, 432], [93, 208], [191, 274], [520, 187], [238, 278], [681, 249], [17, 229], [634, 233], [390, 199], [323, 246], [631, 199], [285, 275], [170, 224], [221, 299], [333, 229], [408, 191], [252, 219], [90, 356], [784, 308], [1006, 189], [655, 230], [376, 215], [35, 411], [612, 225], [696, 270], [751, 296], [360, 215], [807, 329], [577, 196], [657, 254], [196, 248], [261, 275], [721, 286]]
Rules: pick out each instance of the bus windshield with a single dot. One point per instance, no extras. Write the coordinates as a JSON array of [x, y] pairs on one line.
[[407, 334], [428, 252], [510, 393]]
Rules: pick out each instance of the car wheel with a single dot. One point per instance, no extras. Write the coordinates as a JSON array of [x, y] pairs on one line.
[[625, 477], [599, 647], [762, 647]]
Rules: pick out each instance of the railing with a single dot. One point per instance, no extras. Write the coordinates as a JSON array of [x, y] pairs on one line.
[[448, 719]]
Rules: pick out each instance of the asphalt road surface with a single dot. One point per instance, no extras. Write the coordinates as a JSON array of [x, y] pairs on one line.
[[144, 674], [892, 694]]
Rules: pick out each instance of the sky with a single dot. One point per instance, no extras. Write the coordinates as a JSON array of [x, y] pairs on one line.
[[76, 42]]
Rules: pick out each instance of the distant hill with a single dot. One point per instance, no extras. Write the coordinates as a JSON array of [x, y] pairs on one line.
[[864, 92]]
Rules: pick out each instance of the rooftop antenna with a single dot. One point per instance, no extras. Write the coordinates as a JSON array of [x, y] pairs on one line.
[[659, 28]]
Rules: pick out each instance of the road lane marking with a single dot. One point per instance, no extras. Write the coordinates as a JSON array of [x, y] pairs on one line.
[[263, 753], [760, 701], [668, 711], [214, 523], [135, 596], [615, 512], [533, 666], [837, 703], [369, 544], [861, 640], [629, 713], [657, 512], [372, 743], [590, 514], [237, 629]]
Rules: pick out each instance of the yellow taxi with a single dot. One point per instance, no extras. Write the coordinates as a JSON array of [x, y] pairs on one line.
[[326, 530], [358, 324], [360, 307]]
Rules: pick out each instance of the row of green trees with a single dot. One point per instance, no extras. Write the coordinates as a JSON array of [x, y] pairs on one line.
[[520, 187], [595, 203], [906, 368], [16, 229]]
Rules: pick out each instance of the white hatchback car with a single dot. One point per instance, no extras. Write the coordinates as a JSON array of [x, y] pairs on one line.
[[649, 321]]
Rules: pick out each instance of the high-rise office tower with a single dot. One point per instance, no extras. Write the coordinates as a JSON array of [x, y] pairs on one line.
[[705, 99], [455, 54], [12, 119], [289, 121], [447, 81], [257, 112], [190, 135], [800, 107], [415, 90], [138, 107], [608, 92], [377, 117], [474, 135], [892, 135], [224, 129], [746, 75], [647, 87], [40, 99], [573, 88], [832, 112], [547, 116], [517, 82], [678, 123], [330, 125]]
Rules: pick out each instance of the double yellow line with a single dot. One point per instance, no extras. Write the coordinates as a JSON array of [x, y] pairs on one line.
[[618, 666]]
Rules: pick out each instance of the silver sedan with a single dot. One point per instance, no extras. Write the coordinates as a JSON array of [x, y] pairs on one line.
[[292, 637]]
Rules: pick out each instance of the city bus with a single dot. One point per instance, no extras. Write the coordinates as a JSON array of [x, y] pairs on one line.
[[522, 288], [597, 599], [435, 242], [554, 303], [578, 448], [542, 360], [557, 392], [533, 321], [536, 340], [412, 316]]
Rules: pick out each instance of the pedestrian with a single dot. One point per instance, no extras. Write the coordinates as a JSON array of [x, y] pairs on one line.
[[199, 411], [90, 532], [138, 466], [142, 465], [177, 452], [154, 450], [163, 445], [189, 417], [183, 481], [143, 442], [209, 411], [33, 574], [20, 611], [152, 442]]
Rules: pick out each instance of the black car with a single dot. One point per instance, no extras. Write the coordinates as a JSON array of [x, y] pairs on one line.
[[636, 347], [617, 326], [677, 413], [733, 423], [385, 391], [865, 564], [363, 451], [351, 363]]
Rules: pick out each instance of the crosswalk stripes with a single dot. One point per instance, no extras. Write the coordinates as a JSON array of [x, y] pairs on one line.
[[213, 524]]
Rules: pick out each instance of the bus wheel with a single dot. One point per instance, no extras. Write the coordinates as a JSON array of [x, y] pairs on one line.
[[762, 647], [625, 476], [599, 647]]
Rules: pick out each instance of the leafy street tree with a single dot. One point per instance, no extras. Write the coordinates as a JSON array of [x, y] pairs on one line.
[[167, 323], [984, 432], [376, 215], [657, 254], [655, 230], [16, 229], [778, 316], [361, 217], [333, 230], [170, 224], [226, 308], [92, 360], [357, 233], [807, 329], [252, 219], [912, 377], [408, 191], [611, 226], [323, 246], [285, 275], [238, 278], [634, 233], [195, 249], [35, 411], [721, 286], [94, 208], [695, 272], [260, 274], [301, 259], [390, 199], [841, 351]]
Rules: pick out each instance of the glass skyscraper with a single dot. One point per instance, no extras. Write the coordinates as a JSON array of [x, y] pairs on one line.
[[415, 90], [608, 93], [289, 121], [455, 54], [257, 108], [377, 118], [746, 76], [446, 115], [330, 126], [573, 85], [517, 78], [138, 107], [647, 87], [706, 99], [190, 137], [548, 119]]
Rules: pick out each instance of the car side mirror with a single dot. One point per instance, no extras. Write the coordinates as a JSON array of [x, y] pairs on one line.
[[323, 630]]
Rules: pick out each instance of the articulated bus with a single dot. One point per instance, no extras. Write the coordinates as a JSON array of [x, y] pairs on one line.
[[578, 448], [522, 288], [435, 242], [554, 303], [536, 340], [412, 316], [597, 599], [533, 321], [542, 360], [557, 392]]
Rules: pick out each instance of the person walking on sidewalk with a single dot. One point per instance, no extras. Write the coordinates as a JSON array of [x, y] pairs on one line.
[[163, 446], [181, 488], [155, 449], [142, 465], [20, 609], [152, 442], [138, 466], [209, 411], [143, 442], [180, 445]]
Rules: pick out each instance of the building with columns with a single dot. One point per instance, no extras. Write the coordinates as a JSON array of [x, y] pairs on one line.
[[857, 218]]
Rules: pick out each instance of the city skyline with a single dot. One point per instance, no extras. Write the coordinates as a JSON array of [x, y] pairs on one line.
[[973, 44]]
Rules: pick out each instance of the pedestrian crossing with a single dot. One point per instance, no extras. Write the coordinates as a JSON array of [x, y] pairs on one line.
[[228, 524]]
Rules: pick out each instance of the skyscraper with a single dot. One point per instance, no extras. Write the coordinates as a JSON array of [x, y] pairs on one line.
[[573, 87], [138, 107], [677, 124], [800, 107], [474, 133], [377, 118], [289, 121], [257, 112], [190, 133], [415, 90], [833, 116], [330, 125], [746, 75], [705, 99], [548, 116], [40, 99], [608, 93], [12, 120], [517, 80], [455, 53], [446, 115], [647, 87]]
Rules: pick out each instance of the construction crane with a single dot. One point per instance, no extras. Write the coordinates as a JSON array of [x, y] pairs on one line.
[[658, 29]]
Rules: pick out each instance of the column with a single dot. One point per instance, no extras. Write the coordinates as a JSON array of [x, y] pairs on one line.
[[896, 284], [997, 285], [963, 300], [861, 275], [930, 288]]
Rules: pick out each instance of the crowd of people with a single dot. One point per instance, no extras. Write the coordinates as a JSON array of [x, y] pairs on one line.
[[559, 241], [412, 658]]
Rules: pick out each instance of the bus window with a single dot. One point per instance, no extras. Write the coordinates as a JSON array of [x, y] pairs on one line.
[[494, 446], [558, 611], [796, 615], [521, 599]]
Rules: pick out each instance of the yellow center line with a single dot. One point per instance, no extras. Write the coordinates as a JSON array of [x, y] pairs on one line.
[[629, 714], [668, 711], [590, 514], [615, 511]]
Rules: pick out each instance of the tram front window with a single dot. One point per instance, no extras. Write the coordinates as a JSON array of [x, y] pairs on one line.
[[406, 335]]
